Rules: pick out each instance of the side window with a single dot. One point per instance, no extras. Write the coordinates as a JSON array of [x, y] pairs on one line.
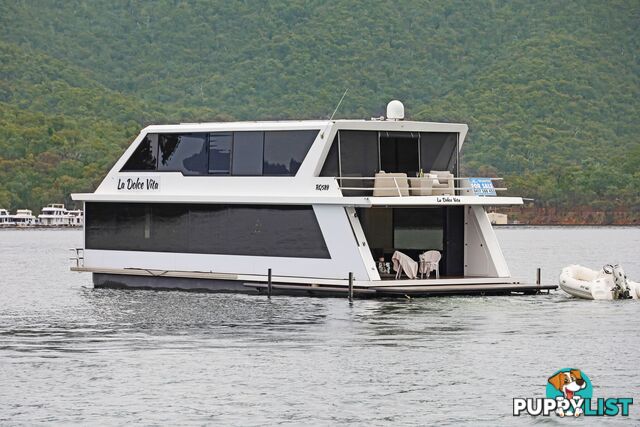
[[220, 153], [438, 151], [331, 166], [248, 148], [145, 156], [359, 153], [284, 151], [186, 153]]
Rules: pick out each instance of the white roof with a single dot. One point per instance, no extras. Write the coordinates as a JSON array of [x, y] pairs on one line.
[[390, 125]]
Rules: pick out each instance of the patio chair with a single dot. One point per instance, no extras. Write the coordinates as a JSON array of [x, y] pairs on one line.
[[430, 261]]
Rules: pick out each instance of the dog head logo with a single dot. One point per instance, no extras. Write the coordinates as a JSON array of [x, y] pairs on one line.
[[568, 383]]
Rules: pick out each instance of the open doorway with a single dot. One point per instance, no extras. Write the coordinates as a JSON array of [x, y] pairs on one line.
[[416, 230], [399, 152]]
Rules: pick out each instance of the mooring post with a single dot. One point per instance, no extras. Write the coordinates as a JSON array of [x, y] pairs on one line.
[[350, 288], [538, 279], [269, 287]]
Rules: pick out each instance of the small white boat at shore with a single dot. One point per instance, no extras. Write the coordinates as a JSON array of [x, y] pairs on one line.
[[609, 283]]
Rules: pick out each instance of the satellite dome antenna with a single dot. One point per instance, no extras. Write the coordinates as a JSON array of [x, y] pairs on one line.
[[395, 110]]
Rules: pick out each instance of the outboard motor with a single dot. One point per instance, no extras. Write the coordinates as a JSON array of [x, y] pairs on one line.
[[621, 288]]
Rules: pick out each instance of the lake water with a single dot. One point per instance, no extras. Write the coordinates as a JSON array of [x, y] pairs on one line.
[[70, 354]]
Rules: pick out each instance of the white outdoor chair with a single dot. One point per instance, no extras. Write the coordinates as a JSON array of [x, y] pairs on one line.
[[403, 263], [430, 261]]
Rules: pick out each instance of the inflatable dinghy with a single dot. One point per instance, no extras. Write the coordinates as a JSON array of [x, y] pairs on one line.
[[609, 283]]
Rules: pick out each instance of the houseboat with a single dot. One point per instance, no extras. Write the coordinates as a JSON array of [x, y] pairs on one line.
[[54, 215], [76, 217], [6, 220], [24, 218], [314, 207]]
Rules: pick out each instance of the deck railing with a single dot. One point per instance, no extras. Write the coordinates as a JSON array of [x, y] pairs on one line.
[[394, 186]]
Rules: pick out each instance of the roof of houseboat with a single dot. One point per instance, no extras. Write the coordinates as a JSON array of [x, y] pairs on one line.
[[399, 125]]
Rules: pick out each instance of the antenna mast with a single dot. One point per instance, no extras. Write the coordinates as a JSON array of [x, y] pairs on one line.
[[334, 111]]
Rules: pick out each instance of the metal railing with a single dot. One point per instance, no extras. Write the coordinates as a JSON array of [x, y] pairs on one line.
[[419, 186]]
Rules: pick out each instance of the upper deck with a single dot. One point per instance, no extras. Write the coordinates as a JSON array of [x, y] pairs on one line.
[[294, 162]]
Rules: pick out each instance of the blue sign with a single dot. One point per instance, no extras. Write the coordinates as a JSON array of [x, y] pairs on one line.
[[482, 187]]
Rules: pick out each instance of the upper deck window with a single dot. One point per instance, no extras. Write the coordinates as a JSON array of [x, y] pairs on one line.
[[363, 153], [248, 153], [220, 153], [284, 151], [186, 153], [145, 157], [251, 153], [439, 151]]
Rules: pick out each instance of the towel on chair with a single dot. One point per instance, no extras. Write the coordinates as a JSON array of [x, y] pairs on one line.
[[402, 262]]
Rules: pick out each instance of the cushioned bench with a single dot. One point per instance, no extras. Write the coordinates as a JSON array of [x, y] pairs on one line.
[[388, 184]]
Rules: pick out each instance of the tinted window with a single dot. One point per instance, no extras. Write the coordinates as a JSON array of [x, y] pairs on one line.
[[283, 231], [186, 153], [145, 156], [220, 153], [439, 151], [358, 157], [247, 153], [358, 153], [284, 151], [331, 166], [418, 228]]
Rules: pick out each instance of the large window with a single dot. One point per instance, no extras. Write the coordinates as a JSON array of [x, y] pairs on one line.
[[220, 153], [273, 153], [284, 151], [363, 153], [439, 151], [418, 228], [186, 153], [280, 231], [145, 157], [248, 153]]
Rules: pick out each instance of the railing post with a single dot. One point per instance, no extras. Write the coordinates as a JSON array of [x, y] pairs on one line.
[[350, 288], [538, 278], [269, 284]]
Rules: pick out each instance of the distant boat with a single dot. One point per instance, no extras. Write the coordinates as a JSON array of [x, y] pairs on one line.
[[24, 218], [6, 220], [76, 218], [55, 215]]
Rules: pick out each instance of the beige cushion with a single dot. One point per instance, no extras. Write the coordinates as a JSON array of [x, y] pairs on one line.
[[444, 184], [422, 186], [385, 184]]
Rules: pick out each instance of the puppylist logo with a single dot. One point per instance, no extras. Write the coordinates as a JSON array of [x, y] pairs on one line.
[[570, 393]]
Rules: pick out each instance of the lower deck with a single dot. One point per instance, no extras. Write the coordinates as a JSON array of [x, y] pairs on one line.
[[218, 282]]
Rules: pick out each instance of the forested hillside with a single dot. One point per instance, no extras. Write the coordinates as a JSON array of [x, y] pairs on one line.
[[551, 90]]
